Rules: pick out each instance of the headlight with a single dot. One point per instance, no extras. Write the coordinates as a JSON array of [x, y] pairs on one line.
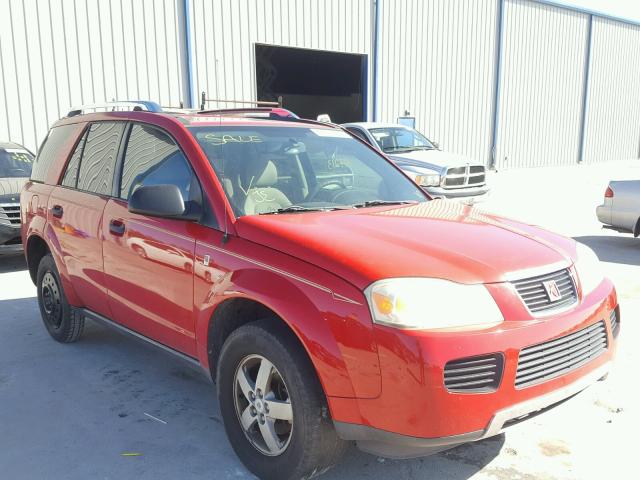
[[432, 304], [589, 269], [424, 179]]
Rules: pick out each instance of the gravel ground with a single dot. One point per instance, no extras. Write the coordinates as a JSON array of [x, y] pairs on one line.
[[110, 408]]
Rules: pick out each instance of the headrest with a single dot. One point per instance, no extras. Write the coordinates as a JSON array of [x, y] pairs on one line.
[[259, 172]]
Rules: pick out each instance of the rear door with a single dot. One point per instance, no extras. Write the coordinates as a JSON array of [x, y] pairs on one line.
[[148, 261], [75, 210]]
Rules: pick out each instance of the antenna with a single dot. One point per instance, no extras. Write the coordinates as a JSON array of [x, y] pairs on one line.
[[225, 236]]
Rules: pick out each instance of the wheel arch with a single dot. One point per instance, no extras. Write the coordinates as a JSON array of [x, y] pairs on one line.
[[34, 250]]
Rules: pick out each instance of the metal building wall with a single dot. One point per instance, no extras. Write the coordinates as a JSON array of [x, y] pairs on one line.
[[225, 33], [437, 61], [613, 115], [56, 54], [542, 85]]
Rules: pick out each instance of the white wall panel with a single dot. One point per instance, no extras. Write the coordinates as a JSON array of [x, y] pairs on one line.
[[56, 54], [437, 62], [225, 33], [542, 85], [613, 115]]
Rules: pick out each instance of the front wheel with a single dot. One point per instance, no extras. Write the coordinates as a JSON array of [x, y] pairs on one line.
[[272, 404]]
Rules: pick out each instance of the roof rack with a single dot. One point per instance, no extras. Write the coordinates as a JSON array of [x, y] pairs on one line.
[[116, 106], [259, 103]]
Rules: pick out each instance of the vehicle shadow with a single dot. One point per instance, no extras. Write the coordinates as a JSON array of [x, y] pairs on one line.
[[459, 463], [614, 249], [12, 259]]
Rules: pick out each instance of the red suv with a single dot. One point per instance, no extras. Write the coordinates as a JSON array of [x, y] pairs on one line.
[[328, 296]]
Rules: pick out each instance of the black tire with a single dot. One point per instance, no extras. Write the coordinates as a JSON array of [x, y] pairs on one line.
[[313, 446], [63, 323]]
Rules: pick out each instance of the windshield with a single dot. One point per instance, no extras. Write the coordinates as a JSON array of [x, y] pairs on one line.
[[267, 170], [400, 139], [15, 163]]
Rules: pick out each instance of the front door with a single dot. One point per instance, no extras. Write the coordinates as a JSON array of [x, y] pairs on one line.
[[148, 261]]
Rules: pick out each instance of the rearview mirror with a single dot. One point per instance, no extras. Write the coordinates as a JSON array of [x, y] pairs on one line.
[[158, 201]]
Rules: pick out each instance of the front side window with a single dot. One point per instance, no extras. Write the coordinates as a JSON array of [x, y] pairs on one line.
[[267, 169], [400, 139], [15, 163], [153, 158], [99, 157]]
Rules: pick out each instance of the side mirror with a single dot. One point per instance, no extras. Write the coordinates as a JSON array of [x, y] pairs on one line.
[[436, 144], [159, 201]]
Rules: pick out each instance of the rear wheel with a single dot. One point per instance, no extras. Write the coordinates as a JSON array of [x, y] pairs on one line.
[[61, 321], [273, 407]]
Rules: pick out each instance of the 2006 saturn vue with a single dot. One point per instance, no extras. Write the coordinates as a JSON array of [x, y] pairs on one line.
[[327, 295]]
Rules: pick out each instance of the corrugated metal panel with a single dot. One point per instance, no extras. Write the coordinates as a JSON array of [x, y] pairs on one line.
[[613, 119], [438, 62], [57, 54], [542, 85], [226, 31]]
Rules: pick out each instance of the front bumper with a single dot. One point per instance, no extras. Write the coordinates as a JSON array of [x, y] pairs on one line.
[[9, 234], [393, 445], [469, 194], [415, 415]]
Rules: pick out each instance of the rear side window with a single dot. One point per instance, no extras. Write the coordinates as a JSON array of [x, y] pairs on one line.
[[71, 175], [99, 157], [50, 150], [153, 158]]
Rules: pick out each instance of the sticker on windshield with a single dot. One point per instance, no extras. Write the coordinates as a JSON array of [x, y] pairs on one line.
[[330, 132], [216, 140]]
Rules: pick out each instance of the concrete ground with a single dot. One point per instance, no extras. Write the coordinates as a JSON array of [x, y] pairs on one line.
[[110, 408]]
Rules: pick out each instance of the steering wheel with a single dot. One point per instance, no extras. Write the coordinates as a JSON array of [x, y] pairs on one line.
[[320, 187]]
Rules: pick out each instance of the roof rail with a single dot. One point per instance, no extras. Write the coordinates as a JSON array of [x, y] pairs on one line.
[[130, 105]]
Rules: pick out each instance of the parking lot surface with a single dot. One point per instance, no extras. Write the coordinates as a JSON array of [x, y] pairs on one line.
[[108, 407]]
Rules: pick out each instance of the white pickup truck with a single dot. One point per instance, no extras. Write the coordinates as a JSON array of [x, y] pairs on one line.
[[441, 174]]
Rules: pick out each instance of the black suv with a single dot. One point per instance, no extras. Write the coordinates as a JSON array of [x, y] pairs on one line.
[[15, 168]]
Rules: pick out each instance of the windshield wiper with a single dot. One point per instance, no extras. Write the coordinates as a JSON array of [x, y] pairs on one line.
[[408, 149], [300, 208], [377, 203]]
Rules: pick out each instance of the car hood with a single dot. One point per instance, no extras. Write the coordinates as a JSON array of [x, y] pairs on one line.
[[439, 239], [432, 159], [10, 189]]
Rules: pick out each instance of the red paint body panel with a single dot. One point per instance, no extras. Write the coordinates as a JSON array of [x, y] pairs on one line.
[[329, 316], [78, 236], [311, 270], [149, 276], [435, 239]]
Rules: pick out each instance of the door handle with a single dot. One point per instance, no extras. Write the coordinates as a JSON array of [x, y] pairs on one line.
[[116, 227], [57, 211]]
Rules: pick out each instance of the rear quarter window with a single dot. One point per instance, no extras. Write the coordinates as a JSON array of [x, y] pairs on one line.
[[53, 148]]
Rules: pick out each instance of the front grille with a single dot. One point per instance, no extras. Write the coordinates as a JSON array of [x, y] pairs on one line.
[[615, 323], [474, 374], [544, 361], [469, 176], [10, 214], [537, 299]]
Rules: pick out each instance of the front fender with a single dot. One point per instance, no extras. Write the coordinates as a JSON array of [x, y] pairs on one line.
[[329, 316]]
